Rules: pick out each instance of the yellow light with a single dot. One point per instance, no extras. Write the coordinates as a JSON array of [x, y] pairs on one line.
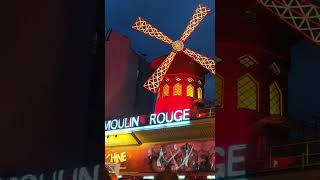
[[120, 140], [177, 89], [199, 93], [165, 91], [190, 90], [275, 99], [247, 93]]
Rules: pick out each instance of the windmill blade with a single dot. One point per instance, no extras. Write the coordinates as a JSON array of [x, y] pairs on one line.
[[155, 79], [207, 63], [143, 26], [198, 15]]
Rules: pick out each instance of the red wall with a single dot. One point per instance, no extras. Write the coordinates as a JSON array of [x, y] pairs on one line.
[[120, 76], [236, 126]]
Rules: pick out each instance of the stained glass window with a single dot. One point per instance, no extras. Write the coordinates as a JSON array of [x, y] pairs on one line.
[[166, 90], [190, 90], [247, 61], [247, 92], [275, 99], [177, 90], [199, 93]]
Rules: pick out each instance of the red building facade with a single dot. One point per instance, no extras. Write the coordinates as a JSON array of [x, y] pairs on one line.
[[252, 79]]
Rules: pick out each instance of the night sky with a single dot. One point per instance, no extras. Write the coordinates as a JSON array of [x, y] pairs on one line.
[[304, 83], [170, 17]]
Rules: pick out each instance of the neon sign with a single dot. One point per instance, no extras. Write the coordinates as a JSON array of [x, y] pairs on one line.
[[116, 157], [154, 121], [232, 160]]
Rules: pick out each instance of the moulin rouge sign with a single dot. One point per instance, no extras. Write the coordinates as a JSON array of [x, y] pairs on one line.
[[153, 121]]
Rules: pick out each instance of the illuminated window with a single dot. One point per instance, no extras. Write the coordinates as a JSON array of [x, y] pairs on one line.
[[275, 99], [190, 90], [219, 90], [275, 68], [217, 59], [165, 91], [247, 61], [247, 92], [177, 90], [199, 93], [190, 79]]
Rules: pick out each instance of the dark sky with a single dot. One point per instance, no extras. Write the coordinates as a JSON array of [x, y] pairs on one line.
[[170, 17], [304, 83]]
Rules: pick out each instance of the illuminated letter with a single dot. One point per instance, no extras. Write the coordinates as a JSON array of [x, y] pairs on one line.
[[123, 157], [126, 123], [85, 175], [167, 117], [186, 114], [220, 168], [175, 115], [163, 118], [107, 125], [114, 124], [121, 125], [60, 176], [75, 174], [29, 177], [153, 119], [134, 121], [13, 178], [113, 158], [233, 159]]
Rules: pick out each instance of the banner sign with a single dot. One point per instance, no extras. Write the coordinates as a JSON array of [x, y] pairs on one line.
[[153, 121], [182, 157]]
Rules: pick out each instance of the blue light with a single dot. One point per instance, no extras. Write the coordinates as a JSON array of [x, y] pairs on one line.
[[151, 127]]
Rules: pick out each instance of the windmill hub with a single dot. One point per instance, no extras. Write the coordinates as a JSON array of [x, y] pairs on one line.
[[178, 45]]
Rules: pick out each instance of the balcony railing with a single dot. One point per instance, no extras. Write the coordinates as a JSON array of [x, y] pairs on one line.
[[204, 113], [296, 155]]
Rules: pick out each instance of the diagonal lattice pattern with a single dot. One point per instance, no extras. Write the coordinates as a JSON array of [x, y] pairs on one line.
[[145, 27], [153, 83], [302, 15], [202, 60], [275, 99], [247, 93], [155, 79], [199, 14]]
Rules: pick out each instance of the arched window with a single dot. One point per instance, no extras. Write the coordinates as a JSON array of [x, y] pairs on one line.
[[177, 89], [219, 90], [199, 93], [275, 98], [247, 88], [190, 90], [165, 90]]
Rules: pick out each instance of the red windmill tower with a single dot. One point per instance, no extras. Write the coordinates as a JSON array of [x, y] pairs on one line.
[[179, 76]]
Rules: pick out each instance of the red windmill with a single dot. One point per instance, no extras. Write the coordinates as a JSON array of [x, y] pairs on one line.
[[179, 84]]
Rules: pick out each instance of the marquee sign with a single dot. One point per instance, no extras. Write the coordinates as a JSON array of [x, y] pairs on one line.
[[153, 121]]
